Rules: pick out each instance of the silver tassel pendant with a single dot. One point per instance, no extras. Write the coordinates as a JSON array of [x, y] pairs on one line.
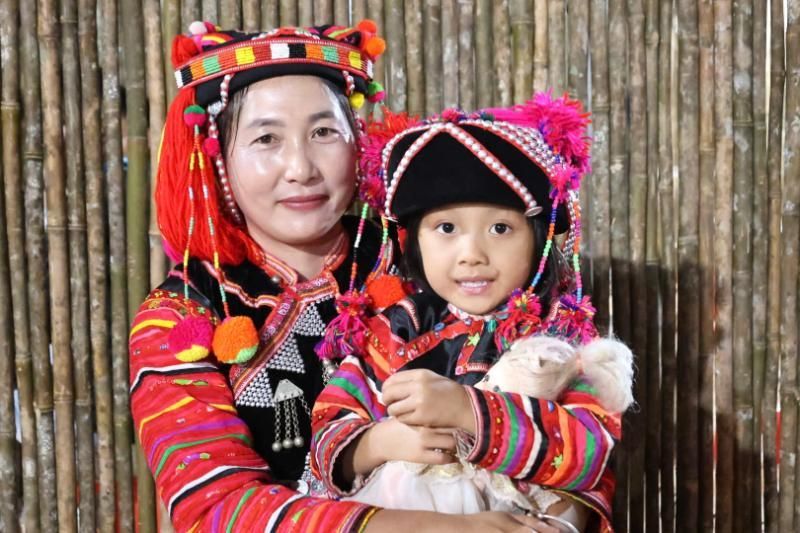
[[288, 397]]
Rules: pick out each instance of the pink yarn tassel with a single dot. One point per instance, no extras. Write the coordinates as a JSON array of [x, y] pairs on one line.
[[574, 321], [346, 334]]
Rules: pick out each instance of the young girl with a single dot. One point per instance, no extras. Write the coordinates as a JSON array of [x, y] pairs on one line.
[[480, 198]]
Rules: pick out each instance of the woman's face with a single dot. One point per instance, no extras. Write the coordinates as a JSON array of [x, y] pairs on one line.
[[291, 161]]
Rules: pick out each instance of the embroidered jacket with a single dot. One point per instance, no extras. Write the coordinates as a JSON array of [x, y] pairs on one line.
[[564, 446], [207, 429]]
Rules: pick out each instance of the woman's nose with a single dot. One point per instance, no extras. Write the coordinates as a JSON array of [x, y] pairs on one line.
[[300, 167]]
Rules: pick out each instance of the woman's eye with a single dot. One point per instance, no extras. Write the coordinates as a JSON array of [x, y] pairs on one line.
[[446, 227], [266, 139], [500, 228], [324, 133]]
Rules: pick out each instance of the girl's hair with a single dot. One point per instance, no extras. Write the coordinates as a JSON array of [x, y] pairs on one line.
[[555, 271], [229, 118]]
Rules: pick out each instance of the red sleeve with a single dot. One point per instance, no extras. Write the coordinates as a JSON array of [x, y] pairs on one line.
[[199, 451]]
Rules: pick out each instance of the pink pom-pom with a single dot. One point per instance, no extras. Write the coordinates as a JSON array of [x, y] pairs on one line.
[[377, 97], [562, 122], [346, 334], [211, 147], [194, 115], [190, 339], [574, 321]]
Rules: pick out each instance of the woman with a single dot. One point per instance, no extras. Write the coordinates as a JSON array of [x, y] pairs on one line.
[[257, 168]]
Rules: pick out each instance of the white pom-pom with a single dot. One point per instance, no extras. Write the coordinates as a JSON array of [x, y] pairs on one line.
[[198, 28]]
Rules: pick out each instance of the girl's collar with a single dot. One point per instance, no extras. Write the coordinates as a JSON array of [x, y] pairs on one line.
[[463, 315]]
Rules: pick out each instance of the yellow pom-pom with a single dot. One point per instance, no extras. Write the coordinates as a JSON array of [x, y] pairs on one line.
[[235, 340], [357, 100]]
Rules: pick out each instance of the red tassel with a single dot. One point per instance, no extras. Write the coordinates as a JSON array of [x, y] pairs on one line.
[[574, 321], [522, 320], [345, 334]]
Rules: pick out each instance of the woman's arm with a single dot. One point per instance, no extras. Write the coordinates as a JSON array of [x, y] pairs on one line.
[[206, 471]]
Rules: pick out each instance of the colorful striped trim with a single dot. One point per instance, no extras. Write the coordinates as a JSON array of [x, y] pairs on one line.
[[272, 51]]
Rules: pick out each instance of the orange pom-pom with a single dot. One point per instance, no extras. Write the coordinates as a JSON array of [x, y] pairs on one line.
[[375, 46], [367, 25], [385, 290], [235, 340], [183, 49]]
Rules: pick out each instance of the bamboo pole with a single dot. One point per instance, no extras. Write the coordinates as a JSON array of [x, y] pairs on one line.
[[97, 256], [112, 156], [359, 11], [600, 205], [688, 275], [341, 13], [556, 52], [15, 226], [577, 24], [305, 12], [270, 14], [170, 27], [774, 311], [395, 55], [288, 12], [58, 262], [484, 71], [742, 261], [35, 251], [323, 12], [210, 12], [760, 248], [619, 229], [466, 66], [79, 284], [415, 78], [652, 275], [450, 71], [156, 106], [667, 209], [541, 71], [432, 34], [230, 15], [251, 15], [136, 222], [637, 218], [501, 52], [723, 101], [789, 277], [190, 11], [520, 13], [9, 466], [706, 262]]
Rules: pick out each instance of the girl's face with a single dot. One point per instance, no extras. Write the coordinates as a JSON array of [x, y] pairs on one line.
[[475, 255], [291, 161]]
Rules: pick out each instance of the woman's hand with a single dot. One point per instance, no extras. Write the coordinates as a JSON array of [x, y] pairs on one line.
[[421, 397], [423, 521]]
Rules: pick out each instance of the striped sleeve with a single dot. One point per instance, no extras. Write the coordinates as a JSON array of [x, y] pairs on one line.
[[563, 445], [348, 406], [199, 451]]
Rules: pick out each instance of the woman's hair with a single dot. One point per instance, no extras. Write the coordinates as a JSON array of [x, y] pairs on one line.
[[228, 120], [554, 272]]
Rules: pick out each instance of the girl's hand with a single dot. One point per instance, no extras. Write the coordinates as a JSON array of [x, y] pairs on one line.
[[415, 444], [421, 397]]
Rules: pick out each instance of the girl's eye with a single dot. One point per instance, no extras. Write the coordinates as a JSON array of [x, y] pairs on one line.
[[500, 228], [446, 227]]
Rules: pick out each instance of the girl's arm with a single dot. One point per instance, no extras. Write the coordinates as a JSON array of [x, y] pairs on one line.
[[199, 451], [563, 445]]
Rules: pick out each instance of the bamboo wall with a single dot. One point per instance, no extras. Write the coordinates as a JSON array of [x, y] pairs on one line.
[[692, 224]]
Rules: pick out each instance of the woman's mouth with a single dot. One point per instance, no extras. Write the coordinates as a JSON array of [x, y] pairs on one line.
[[305, 202]]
